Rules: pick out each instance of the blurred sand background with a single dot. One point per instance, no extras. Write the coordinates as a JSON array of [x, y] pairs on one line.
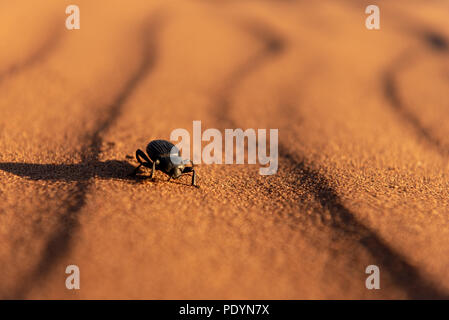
[[364, 144]]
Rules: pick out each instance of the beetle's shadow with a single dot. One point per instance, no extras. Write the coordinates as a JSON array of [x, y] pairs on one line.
[[111, 169], [108, 170]]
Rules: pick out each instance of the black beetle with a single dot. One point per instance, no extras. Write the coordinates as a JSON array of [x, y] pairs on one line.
[[164, 157]]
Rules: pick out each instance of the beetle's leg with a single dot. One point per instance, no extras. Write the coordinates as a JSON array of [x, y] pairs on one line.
[[135, 170], [141, 154], [154, 168], [194, 178], [146, 163], [188, 170]]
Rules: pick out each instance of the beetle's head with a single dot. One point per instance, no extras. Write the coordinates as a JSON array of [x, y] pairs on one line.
[[177, 170]]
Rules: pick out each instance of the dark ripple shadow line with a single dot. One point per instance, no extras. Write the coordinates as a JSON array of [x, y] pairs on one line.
[[436, 43], [39, 54], [60, 242], [273, 46], [343, 220], [434, 40]]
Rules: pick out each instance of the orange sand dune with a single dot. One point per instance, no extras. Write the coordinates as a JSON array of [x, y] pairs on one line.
[[363, 150]]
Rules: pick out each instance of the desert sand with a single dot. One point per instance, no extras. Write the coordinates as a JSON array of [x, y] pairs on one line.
[[363, 149]]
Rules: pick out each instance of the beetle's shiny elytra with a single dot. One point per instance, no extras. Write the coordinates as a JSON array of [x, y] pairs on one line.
[[164, 156]]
